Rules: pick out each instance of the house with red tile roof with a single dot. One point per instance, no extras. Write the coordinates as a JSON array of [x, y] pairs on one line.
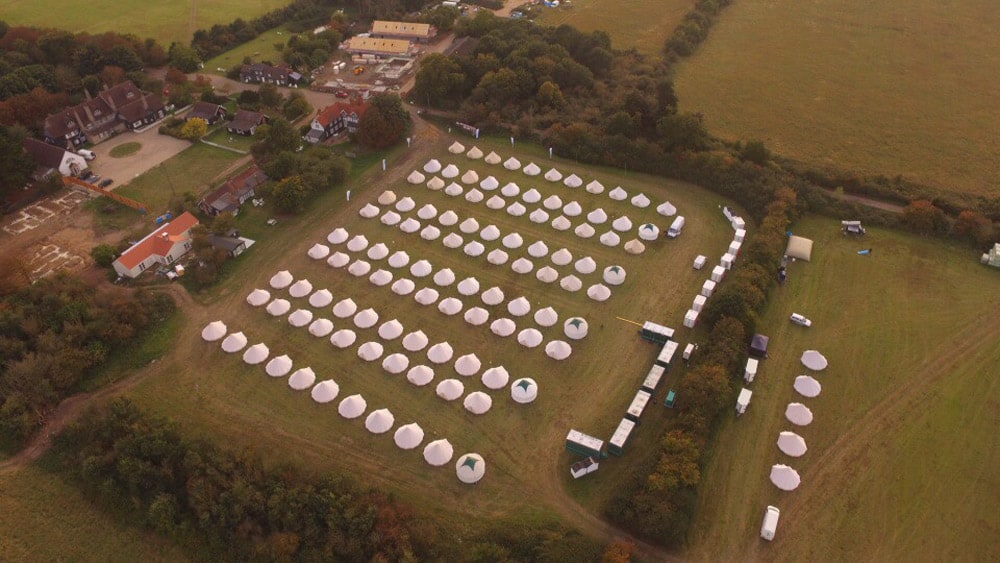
[[334, 119], [230, 196], [163, 246]]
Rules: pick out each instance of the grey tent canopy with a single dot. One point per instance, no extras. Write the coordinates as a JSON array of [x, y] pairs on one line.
[[758, 346]]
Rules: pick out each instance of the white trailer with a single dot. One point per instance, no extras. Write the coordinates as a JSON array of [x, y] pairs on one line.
[[676, 227], [584, 467], [743, 401], [770, 524]]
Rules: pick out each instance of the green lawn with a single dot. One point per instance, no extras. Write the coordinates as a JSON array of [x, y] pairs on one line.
[[259, 49], [903, 447], [195, 169], [642, 25], [219, 397], [166, 21], [877, 87], [125, 149], [223, 137], [47, 519]]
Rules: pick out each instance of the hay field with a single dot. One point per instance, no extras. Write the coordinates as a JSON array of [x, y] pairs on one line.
[[166, 21], [47, 519], [641, 25], [877, 87], [903, 446], [217, 396]]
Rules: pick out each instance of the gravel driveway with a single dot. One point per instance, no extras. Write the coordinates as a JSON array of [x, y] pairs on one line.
[[155, 149]]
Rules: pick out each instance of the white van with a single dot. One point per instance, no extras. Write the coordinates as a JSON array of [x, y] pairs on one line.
[[770, 523], [676, 227], [86, 154]]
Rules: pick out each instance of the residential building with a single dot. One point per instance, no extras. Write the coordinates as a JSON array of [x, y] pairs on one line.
[[419, 32], [335, 119], [230, 196], [262, 73], [234, 246], [211, 113], [50, 159], [364, 48], [165, 245], [246, 122], [116, 109]]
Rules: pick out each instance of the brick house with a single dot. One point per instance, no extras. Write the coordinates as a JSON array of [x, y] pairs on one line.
[[234, 193], [335, 119], [116, 109]]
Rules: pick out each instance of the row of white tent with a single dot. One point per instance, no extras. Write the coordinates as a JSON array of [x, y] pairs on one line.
[[451, 171], [790, 443]]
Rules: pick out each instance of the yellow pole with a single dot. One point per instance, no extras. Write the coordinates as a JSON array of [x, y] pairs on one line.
[[628, 321]]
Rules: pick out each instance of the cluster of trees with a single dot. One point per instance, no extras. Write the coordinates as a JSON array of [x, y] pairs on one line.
[[16, 165], [923, 217], [385, 123], [212, 501], [43, 70], [53, 333], [659, 502], [299, 176], [267, 96], [693, 29], [306, 51], [300, 15]]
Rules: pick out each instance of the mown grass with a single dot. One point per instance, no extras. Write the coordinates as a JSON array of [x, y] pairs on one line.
[[877, 88], [228, 402], [643, 25], [903, 446], [166, 21], [195, 169], [48, 519], [125, 149], [223, 137], [258, 49]]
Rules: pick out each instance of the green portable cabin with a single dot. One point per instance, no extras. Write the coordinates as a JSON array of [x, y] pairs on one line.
[[585, 445], [656, 332], [671, 398], [621, 437], [667, 353], [638, 405], [653, 379]]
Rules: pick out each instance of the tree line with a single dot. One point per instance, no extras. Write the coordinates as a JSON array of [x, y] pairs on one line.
[[225, 505], [53, 334]]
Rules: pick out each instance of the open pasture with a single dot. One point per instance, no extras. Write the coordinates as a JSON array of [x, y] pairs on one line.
[[903, 445], [643, 26], [166, 21], [220, 397], [261, 48], [874, 87]]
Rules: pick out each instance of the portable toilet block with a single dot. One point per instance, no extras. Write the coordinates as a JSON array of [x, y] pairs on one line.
[[741, 234], [738, 223], [708, 288], [691, 318], [699, 262], [688, 350], [743, 401], [734, 247], [718, 273], [699, 303], [751, 370], [727, 261]]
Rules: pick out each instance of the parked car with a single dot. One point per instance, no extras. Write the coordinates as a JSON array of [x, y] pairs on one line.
[[86, 154], [106, 182], [342, 94]]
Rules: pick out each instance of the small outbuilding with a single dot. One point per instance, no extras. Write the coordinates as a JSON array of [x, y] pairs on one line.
[[758, 346]]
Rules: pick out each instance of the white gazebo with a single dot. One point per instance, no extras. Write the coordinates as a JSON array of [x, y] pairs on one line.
[[495, 377], [576, 328], [258, 297], [450, 389], [470, 468], [649, 231], [792, 444], [477, 402], [524, 390], [784, 477], [614, 275], [352, 407], [213, 331], [234, 343], [302, 379], [438, 452], [798, 414]]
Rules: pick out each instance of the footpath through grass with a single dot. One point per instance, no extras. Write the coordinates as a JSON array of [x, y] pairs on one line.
[[903, 447], [166, 21], [877, 87]]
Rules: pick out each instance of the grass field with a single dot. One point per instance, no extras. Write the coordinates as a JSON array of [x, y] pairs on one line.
[[166, 21], [219, 397], [223, 137], [46, 519], [903, 447], [259, 49], [640, 25], [125, 149], [195, 169], [887, 88]]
